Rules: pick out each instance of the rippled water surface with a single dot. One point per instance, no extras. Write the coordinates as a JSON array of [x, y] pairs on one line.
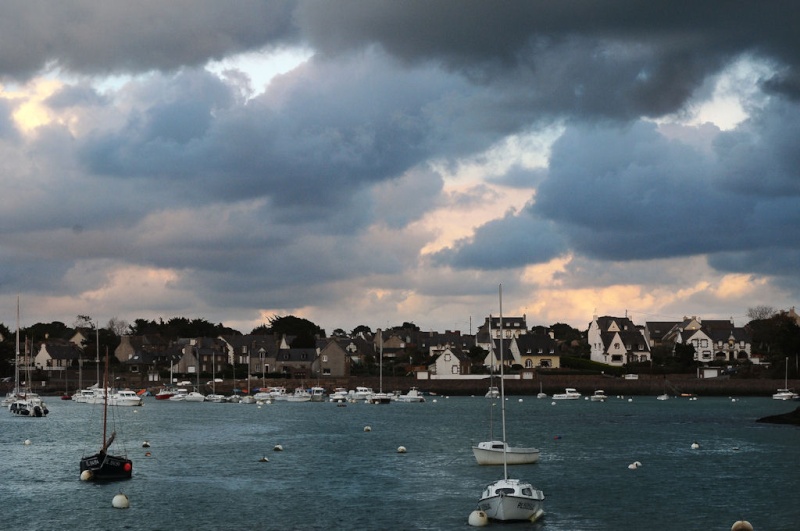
[[204, 471]]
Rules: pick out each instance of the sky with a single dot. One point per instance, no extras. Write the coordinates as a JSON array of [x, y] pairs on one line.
[[376, 162]]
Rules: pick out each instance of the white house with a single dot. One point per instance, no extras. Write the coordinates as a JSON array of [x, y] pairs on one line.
[[617, 341]]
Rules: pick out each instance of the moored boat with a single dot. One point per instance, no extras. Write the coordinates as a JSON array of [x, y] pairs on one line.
[[300, 395], [570, 393], [492, 453], [103, 466], [339, 395], [413, 395], [599, 396], [786, 393], [509, 499]]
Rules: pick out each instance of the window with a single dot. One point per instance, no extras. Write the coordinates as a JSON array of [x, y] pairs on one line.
[[528, 364], [456, 369], [545, 363], [704, 343], [325, 358], [447, 357], [326, 371]]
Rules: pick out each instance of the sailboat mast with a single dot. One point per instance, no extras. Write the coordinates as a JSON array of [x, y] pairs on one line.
[[502, 387], [105, 398], [16, 359]]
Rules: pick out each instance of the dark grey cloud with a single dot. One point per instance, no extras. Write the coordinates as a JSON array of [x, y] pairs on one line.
[[118, 37], [662, 50], [509, 242], [312, 155], [628, 193]]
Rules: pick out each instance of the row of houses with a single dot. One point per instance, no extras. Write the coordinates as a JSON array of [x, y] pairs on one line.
[[615, 341]]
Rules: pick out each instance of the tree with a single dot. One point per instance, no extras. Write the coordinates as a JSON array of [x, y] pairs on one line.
[[339, 333], [684, 354], [304, 331], [118, 326], [361, 329], [760, 312], [775, 338]]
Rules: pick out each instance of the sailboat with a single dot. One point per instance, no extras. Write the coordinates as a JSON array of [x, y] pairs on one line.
[[103, 466], [22, 401], [786, 393], [510, 499], [380, 397], [541, 394], [494, 452]]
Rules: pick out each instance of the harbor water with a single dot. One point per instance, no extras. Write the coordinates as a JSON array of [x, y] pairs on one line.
[[340, 467]]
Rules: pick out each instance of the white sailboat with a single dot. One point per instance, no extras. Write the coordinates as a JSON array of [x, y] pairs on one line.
[[786, 393], [380, 397], [494, 452], [541, 394], [22, 401], [510, 499]]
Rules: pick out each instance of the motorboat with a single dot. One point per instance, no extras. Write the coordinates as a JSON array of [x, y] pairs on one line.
[[300, 395], [339, 395], [125, 398], [493, 392], [317, 394], [277, 393], [599, 396], [248, 399], [491, 453], [165, 393], [509, 499], [361, 393], [179, 395], [216, 398], [413, 395], [662, 396], [84, 396], [379, 398], [570, 393]]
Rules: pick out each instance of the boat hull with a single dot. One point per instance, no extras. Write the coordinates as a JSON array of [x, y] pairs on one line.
[[107, 467], [491, 454]]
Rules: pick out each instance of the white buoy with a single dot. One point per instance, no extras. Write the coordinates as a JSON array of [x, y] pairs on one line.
[[742, 525], [145, 444], [86, 475], [263, 460], [367, 428], [478, 519], [401, 449], [278, 448], [520, 400], [552, 403], [634, 465], [434, 400], [630, 400], [120, 501], [27, 442], [695, 446]]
